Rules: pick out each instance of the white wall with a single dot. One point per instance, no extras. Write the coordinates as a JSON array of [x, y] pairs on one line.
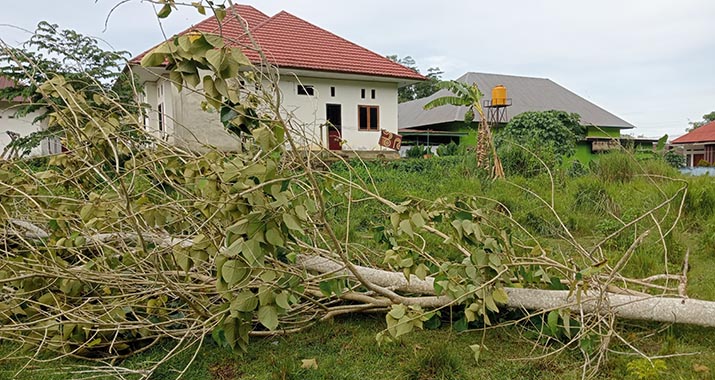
[[311, 110], [22, 125], [187, 125]]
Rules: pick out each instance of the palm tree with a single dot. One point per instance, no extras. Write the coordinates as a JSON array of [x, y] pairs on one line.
[[469, 96]]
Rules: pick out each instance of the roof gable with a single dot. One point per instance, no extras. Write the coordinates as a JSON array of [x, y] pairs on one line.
[[706, 133], [527, 94], [290, 42]]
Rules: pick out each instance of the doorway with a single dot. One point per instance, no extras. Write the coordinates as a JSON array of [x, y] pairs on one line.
[[333, 115]]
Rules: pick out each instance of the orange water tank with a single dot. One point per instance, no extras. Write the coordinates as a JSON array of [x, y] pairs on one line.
[[499, 95]]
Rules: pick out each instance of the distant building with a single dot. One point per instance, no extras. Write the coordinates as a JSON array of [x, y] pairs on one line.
[[444, 124], [697, 145]]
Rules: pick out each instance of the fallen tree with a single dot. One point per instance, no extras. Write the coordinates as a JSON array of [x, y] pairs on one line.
[[117, 244]]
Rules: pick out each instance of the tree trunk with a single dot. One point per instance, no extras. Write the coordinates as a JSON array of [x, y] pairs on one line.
[[637, 307]]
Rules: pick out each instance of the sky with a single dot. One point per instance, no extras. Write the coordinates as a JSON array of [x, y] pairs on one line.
[[650, 62]]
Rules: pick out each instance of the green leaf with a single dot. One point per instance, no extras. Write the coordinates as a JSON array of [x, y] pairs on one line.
[[500, 296], [418, 220], [282, 300], [246, 301], [398, 311], [233, 271], [477, 350], [214, 57], [553, 322], [489, 302], [460, 325], [200, 8], [164, 12], [268, 316], [220, 14], [214, 40], [404, 326], [291, 222], [406, 227], [273, 236]]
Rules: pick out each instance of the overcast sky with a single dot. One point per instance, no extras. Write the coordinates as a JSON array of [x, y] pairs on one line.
[[650, 62]]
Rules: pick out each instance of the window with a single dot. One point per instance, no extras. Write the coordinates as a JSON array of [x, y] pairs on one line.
[[332, 91], [368, 118], [362, 93], [372, 94], [306, 90], [160, 108]]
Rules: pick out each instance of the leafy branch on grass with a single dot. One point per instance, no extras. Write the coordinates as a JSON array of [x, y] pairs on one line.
[[121, 242]]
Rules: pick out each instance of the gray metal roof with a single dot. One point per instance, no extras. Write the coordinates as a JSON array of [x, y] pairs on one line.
[[527, 94]]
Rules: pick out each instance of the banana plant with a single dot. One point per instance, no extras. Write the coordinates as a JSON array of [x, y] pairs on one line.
[[470, 96]]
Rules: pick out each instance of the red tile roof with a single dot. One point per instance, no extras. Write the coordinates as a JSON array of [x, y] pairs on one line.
[[231, 26], [706, 133], [290, 42]]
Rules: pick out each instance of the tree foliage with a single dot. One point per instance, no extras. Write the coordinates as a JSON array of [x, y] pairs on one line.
[[535, 141], [558, 130], [79, 60], [707, 118], [418, 90]]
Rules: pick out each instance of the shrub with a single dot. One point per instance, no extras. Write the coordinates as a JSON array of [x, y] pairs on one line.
[[417, 151], [703, 164], [451, 149], [577, 169], [674, 159]]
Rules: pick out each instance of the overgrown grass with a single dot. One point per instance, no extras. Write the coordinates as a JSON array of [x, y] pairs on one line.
[[592, 206]]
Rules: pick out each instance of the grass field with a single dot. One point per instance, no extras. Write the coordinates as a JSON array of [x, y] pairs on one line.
[[592, 206]]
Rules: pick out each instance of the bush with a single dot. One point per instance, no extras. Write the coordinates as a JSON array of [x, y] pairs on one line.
[[451, 149], [703, 164], [674, 159], [577, 169], [417, 151]]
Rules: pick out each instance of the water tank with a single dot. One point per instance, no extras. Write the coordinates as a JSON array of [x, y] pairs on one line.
[[499, 95]]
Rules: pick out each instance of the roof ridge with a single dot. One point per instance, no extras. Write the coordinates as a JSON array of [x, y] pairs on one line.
[[364, 49], [503, 75], [213, 18]]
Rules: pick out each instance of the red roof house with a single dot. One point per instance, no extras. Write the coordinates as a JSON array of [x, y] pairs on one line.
[[290, 42], [340, 93], [698, 145]]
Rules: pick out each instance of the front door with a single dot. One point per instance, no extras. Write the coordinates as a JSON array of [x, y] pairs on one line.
[[333, 114]]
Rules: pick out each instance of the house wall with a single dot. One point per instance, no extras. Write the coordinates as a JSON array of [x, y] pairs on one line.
[[23, 126], [186, 124], [604, 132], [310, 111]]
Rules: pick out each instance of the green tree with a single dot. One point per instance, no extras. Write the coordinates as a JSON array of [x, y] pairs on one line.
[[533, 141], [52, 52], [707, 118], [421, 89], [558, 129]]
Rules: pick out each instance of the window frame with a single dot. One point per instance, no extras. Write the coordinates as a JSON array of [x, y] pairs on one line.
[[309, 89], [368, 121]]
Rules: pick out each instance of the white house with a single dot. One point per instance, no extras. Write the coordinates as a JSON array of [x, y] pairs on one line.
[[21, 126], [323, 78]]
